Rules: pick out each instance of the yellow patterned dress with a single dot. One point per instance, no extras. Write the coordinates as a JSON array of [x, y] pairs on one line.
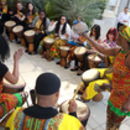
[[19, 121]]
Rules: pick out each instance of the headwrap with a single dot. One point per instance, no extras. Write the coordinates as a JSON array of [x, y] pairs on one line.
[[47, 84], [75, 22], [125, 32]]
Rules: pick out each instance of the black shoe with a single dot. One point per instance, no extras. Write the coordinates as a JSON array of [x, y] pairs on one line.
[[67, 66], [30, 53], [74, 69], [26, 50], [58, 62], [79, 72]]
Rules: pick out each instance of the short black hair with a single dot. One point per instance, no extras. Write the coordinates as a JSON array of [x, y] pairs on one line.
[[126, 7], [4, 49]]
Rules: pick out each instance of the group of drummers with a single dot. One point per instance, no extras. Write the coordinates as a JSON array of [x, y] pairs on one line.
[[56, 39]]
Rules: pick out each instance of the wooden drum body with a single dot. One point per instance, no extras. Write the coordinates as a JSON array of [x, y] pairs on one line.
[[14, 88], [18, 31], [29, 35], [83, 111], [80, 52], [9, 26], [64, 51], [94, 61], [48, 42]]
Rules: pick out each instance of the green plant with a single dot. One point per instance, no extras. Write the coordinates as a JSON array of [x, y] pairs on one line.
[[87, 9]]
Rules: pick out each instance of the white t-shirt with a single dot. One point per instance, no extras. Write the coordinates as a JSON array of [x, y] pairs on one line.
[[62, 36], [123, 16]]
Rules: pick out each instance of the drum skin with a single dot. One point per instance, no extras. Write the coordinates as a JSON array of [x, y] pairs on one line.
[[83, 111], [90, 75], [13, 88]]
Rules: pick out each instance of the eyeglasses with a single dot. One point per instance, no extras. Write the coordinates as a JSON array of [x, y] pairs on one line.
[[63, 19]]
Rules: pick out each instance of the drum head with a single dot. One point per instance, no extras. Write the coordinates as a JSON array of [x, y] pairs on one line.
[[80, 51], [90, 75], [82, 109], [94, 57], [20, 84], [29, 33], [49, 40], [10, 23], [18, 29], [64, 48]]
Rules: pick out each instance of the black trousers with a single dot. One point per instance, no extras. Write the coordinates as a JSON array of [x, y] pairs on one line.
[[85, 64], [37, 39]]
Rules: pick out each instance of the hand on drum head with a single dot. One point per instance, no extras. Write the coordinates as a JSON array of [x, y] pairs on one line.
[[18, 54], [72, 106]]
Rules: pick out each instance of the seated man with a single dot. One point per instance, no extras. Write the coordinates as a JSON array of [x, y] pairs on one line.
[[43, 114]]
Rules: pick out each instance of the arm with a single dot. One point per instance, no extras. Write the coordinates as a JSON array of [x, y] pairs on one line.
[[101, 49], [72, 108], [68, 31], [52, 26], [14, 76]]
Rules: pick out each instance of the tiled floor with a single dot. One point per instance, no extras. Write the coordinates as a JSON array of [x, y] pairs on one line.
[[32, 66]]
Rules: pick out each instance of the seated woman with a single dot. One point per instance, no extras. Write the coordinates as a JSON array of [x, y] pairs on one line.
[[94, 34], [9, 101], [78, 28], [62, 34], [19, 14], [40, 24], [110, 42], [30, 15], [111, 36]]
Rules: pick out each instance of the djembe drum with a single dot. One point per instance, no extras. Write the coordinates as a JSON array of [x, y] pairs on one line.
[[9, 26], [14, 88], [83, 111], [29, 35], [48, 42], [64, 51], [94, 60], [90, 75], [80, 52], [18, 31]]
